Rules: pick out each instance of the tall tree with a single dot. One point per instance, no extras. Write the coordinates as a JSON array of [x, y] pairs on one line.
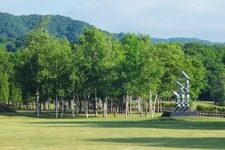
[[101, 56], [5, 71]]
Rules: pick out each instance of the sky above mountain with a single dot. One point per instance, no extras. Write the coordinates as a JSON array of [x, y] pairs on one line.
[[202, 19]]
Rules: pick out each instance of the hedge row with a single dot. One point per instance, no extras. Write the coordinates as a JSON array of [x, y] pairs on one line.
[[210, 108]]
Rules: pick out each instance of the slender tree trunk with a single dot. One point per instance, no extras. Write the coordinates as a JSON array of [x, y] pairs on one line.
[[9, 101], [156, 97], [67, 105], [62, 106], [45, 105], [158, 105], [56, 106], [151, 104], [33, 107], [130, 105], [72, 105], [139, 105], [96, 104], [80, 105], [126, 103], [119, 105], [19, 105], [105, 108], [114, 108], [146, 108], [77, 107], [111, 105], [40, 107], [86, 106], [48, 105], [37, 104]]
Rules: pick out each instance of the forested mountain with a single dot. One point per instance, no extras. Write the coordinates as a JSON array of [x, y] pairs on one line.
[[14, 28]]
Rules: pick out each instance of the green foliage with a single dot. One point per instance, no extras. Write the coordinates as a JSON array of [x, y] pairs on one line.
[[46, 61], [99, 64], [13, 29], [100, 57], [197, 72], [211, 108], [5, 72], [4, 87], [212, 59], [139, 68], [172, 61], [15, 94]]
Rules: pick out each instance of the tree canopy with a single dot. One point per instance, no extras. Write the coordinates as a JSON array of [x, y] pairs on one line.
[[98, 66]]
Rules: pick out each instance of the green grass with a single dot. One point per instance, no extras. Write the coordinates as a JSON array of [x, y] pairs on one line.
[[18, 132]]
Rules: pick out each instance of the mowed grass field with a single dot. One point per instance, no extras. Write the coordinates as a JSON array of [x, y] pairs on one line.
[[19, 132]]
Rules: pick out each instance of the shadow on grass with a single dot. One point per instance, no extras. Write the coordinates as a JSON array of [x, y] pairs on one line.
[[160, 123], [201, 143], [44, 115]]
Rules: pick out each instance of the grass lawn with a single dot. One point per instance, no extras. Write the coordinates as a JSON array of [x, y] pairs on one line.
[[19, 132]]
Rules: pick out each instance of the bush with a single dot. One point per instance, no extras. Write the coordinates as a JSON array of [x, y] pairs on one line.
[[210, 108], [168, 105], [221, 103]]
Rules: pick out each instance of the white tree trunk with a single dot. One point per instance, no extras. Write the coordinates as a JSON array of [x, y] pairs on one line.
[[86, 106], [130, 106], [156, 97], [72, 106], [158, 105], [126, 104], [114, 108], [62, 108], [37, 104], [96, 104], [151, 104], [146, 108], [139, 104], [105, 108], [48, 104], [56, 106]]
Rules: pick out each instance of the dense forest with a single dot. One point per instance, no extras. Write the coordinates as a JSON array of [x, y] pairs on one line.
[[99, 69]]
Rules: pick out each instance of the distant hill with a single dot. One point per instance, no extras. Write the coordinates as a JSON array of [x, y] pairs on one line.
[[184, 40], [14, 28]]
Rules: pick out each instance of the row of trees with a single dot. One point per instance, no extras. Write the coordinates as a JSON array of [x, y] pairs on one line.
[[101, 69]]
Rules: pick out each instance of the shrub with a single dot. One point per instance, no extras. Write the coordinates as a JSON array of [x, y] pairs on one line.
[[210, 108]]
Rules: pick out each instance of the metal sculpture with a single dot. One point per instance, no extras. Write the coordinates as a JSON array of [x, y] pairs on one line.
[[183, 95]]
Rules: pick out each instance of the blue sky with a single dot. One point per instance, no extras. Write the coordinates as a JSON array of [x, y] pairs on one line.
[[204, 19]]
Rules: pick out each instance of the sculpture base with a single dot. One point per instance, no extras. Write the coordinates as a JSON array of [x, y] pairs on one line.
[[179, 113], [7, 109]]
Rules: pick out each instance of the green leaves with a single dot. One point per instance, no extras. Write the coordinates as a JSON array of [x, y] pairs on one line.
[[4, 87], [106, 67]]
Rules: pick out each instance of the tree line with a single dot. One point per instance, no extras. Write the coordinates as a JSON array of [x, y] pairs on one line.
[[99, 73]]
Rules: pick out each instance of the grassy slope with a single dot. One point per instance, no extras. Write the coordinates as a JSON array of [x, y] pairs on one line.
[[20, 133]]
